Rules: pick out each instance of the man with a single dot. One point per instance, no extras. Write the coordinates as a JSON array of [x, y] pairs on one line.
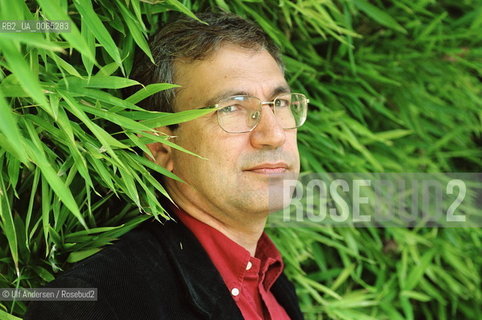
[[215, 262]]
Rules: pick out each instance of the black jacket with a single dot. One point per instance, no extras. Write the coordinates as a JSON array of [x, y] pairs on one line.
[[153, 272]]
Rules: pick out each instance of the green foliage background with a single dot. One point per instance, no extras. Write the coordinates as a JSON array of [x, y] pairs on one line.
[[395, 86]]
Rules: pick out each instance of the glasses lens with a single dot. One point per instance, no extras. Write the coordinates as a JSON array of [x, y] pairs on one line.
[[291, 109], [238, 114]]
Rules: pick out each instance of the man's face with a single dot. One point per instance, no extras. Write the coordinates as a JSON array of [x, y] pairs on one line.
[[242, 169]]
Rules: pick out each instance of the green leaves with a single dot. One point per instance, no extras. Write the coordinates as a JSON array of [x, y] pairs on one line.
[[99, 81], [96, 27], [69, 143], [33, 39], [7, 225], [8, 316], [11, 138], [22, 72], [134, 29], [394, 87], [177, 5], [55, 10], [36, 153], [81, 255], [378, 15], [149, 90]]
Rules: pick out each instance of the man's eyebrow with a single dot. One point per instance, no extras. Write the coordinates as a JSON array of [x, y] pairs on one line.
[[229, 93], [225, 94], [279, 90]]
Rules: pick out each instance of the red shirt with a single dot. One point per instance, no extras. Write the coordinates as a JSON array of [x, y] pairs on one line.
[[248, 279]]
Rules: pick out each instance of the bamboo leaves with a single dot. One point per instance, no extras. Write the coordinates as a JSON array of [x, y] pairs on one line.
[[96, 27], [36, 152], [394, 86], [378, 15], [133, 25], [149, 90], [11, 138], [54, 10], [23, 74]]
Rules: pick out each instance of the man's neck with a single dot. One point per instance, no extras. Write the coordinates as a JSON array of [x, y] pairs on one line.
[[246, 231], [246, 236]]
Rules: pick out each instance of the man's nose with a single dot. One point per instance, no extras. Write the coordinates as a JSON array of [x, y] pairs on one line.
[[268, 133]]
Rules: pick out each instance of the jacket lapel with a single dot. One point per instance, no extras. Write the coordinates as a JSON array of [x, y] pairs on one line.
[[285, 293]]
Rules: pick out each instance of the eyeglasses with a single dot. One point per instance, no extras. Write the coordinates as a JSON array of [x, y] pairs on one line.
[[240, 114]]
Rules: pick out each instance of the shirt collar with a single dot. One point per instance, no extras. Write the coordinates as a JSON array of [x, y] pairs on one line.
[[230, 258]]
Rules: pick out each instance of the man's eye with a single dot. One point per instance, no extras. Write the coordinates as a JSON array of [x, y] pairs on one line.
[[282, 103], [230, 109]]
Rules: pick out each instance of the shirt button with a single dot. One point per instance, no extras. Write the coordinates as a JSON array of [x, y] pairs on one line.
[[235, 291], [249, 265]]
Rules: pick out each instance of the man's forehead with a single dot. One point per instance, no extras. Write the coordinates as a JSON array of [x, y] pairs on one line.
[[231, 70], [231, 59]]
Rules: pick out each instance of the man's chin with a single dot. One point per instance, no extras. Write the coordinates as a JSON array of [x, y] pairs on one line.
[[280, 192]]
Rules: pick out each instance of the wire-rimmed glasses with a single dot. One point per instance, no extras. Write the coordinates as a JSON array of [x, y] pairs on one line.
[[242, 113]]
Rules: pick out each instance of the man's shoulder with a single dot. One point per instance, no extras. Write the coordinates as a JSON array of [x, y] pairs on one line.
[[135, 252], [132, 272]]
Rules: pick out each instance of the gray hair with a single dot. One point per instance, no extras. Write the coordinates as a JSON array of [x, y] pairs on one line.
[[191, 40]]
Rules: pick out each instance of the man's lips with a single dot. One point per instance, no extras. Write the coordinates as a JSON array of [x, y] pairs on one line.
[[269, 168]]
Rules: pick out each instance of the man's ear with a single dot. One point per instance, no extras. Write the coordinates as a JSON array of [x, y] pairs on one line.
[[161, 153]]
